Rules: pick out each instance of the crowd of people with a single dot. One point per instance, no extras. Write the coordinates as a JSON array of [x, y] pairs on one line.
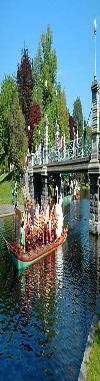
[[40, 224]]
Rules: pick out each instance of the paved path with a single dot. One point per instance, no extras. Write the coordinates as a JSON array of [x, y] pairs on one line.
[[7, 210]]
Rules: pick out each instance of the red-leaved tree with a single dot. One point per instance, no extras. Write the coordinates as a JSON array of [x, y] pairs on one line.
[[25, 84], [34, 115], [34, 119]]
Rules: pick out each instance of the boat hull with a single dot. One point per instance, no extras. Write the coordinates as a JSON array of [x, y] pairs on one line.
[[23, 261]]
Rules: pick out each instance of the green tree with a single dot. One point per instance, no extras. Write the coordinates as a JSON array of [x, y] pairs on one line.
[[45, 89], [44, 72], [1, 145], [88, 132], [78, 116], [63, 115], [14, 141], [8, 88], [1, 137], [18, 139]]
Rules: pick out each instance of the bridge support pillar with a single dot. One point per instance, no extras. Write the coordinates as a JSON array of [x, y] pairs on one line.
[[44, 187], [57, 187], [37, 180], [94, 220], [94, 165], [31, 186], [44, 182]]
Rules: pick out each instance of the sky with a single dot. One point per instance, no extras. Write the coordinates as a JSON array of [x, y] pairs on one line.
[[71, 22]]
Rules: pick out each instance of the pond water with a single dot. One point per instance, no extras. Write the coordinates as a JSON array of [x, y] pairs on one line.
[[46, 311]]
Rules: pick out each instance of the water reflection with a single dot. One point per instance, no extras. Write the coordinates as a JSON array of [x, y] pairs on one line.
[[95, 247], [38, 279], [46, 311], [59, 268]]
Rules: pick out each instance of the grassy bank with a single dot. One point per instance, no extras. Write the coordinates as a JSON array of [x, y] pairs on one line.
[[85, 186], [6, 193], [93, 373]]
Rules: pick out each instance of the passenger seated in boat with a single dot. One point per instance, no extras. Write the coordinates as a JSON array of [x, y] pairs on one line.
[[40, 238], [45, 229], [22, 233], [65, 230], [26, 230], [28, 241]]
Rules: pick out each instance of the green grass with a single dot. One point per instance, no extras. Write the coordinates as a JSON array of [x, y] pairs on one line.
[[93, 373], [85, 186], [6, 193]]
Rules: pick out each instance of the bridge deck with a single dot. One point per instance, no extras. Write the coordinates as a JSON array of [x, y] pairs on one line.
[[74, 165]]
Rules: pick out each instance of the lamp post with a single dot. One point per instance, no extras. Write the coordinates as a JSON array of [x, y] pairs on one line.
[[12, 190], [77, 136], [57, 140], [95, 29], [56, 106], [29, 129], [45, 94], [46, 140]]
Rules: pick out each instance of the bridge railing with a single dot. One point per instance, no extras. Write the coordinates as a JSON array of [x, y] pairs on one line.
[[71, 150]]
